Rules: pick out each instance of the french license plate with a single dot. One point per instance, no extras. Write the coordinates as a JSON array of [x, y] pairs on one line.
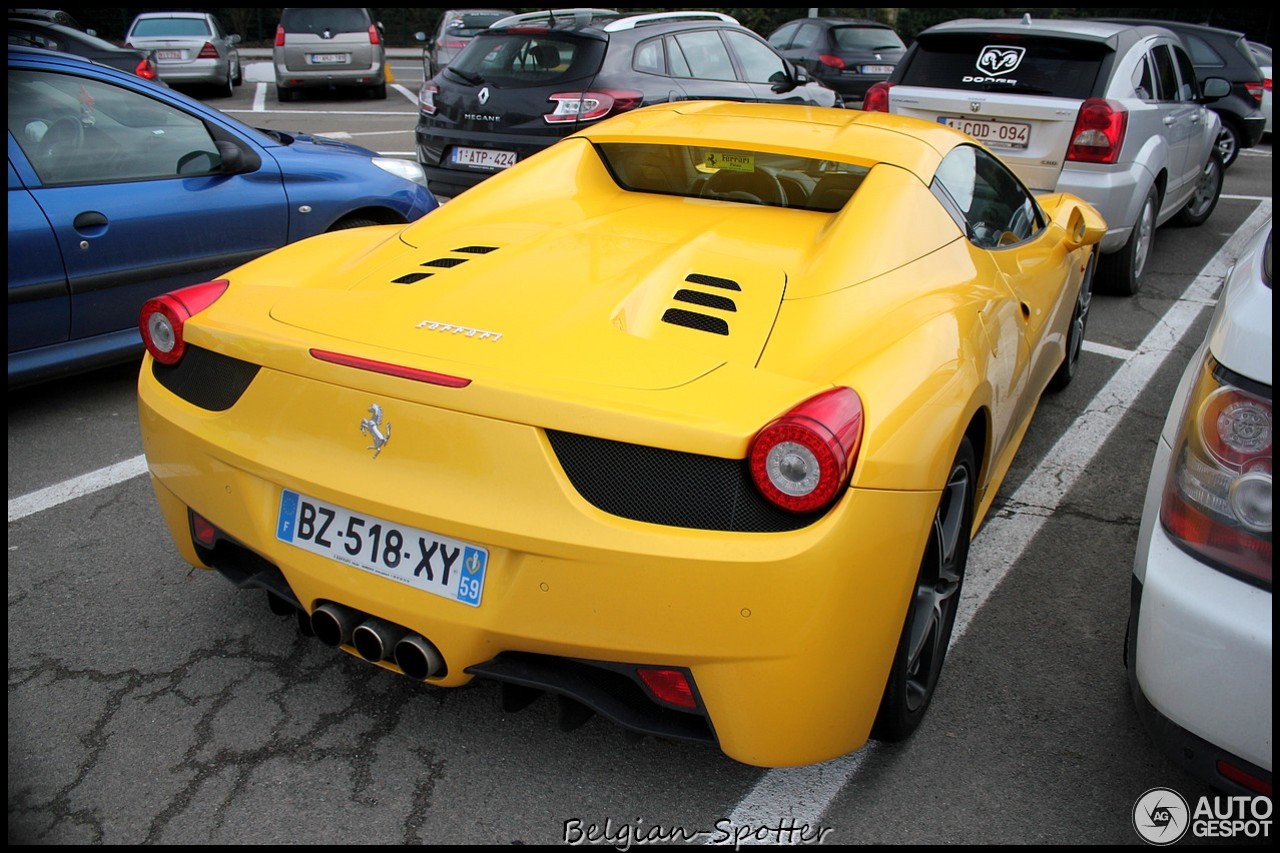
[[169, 54], [423, 560], [328, 58], [877, 69], [996, 134], [482, 158]]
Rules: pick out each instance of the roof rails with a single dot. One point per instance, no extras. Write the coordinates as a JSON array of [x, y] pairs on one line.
[[550, 17], [634, 21]]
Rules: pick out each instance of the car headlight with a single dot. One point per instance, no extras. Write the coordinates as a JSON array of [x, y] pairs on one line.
[[406, 169]]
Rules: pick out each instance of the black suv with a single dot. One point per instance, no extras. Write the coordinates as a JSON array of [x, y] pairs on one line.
[[533, 79], [1223, 53], [847, 54]]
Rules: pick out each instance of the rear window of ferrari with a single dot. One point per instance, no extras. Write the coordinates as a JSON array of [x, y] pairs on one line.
[[1059, 67], [731, 174]]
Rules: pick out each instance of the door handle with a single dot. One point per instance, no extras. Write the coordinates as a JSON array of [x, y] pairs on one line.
[[89, 219]]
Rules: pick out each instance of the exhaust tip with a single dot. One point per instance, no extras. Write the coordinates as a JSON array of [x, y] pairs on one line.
[[375, 640], [333, 624], [418, 658]]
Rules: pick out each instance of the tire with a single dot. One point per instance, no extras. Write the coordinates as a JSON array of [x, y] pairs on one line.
[[284, 95], [238, 78], [1205, 198], [353, 222], [227, 89], [1075, 332], [1228, 142], [378, 92], [931, 614], [1123, 272]]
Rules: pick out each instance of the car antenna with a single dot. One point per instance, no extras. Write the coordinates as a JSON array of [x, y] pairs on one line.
[[1026, 19]]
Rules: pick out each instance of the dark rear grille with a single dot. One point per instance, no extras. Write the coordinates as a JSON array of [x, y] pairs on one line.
[[207, 379], [477, 250], [445, 262], [669, 487], [706, 300], [694, 320], [412, 277], [712, 281]]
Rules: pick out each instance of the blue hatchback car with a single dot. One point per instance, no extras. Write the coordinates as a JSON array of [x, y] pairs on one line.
[[120, 190]]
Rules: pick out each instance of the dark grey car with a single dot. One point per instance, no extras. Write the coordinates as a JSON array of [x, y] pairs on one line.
[[456, 28], [533, 79], [847, 54]]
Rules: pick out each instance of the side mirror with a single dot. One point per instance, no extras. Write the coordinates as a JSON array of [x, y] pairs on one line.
[[419, 36], [801, 74], [1080, 222], [233, 40], [1215, 88]]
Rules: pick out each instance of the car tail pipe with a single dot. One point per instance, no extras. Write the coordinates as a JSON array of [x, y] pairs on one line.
[[418, 657], [375, 639], [334, 624]]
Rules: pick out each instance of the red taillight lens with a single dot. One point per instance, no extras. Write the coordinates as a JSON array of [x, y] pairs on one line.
[[1099, 131], [427, 98], [387, 369], [146, 69], [876, 100], [1217, 501], [374, 36], [453, 44], [203, 531], [163, 317], [1255, 90], [279, 36], [588, 106], [831, 61], [1244, 777], [670, 686], [208, 51], [802, 460]]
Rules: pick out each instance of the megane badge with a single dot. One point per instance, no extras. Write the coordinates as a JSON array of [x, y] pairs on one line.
[[484, 96], [373, 427]]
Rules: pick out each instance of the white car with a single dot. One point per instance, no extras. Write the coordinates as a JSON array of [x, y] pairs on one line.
[[1262, 55], [1198, 646], [192, 48]]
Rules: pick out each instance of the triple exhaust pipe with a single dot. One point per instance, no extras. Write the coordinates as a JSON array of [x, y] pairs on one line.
[[377, 640]]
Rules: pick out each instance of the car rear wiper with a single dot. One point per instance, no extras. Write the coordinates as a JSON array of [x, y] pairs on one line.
[[473, 79]]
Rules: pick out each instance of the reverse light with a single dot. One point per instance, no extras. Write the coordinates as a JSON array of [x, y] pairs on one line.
[[801, 460], [427, 98], [163, 318], [831, 61], [1099, 131], [669, 685], [588, 106], [876, 100], [1217, 500], [208, 51]]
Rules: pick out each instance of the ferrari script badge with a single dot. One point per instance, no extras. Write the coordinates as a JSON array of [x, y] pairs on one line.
[[373, 427]]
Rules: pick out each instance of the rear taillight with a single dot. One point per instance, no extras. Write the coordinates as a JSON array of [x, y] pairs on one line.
[[374, 36], [163, 318], [876, 100], [208, 51], [1255, 90], [588, 106], [831, 61], [279, 36], [453, 44], [1217, 501], [146, 69], [427, 98], [802, 460], [1099, 131], [670, 686]]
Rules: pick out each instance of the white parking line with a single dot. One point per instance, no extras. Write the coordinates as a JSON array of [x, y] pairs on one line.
[[803, 794], [76, 487], [1104, 349]]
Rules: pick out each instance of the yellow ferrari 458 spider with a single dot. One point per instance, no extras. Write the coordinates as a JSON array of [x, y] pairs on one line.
[[688, 419]]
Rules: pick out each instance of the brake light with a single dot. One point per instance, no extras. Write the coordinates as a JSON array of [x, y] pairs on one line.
[[427, 98], [163, 318], [374, 37], [1217, 501], [146, 69], [831, 61], [1099, 131], [454, 44], [1256, 88], [876, 100], [801, 460], [279, 36], [588, 106], [208, 51]]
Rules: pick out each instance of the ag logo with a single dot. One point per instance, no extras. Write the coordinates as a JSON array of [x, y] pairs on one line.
[[1161, 816], [998, 59]]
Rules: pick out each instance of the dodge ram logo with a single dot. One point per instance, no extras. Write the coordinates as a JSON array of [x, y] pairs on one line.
[[998, 59]]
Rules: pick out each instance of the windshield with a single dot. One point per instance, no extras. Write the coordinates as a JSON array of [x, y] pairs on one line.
[[866, 38], [171, 27], [729, 174]]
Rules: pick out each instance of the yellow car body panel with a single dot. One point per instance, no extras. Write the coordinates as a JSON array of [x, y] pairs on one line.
[[546, 306]]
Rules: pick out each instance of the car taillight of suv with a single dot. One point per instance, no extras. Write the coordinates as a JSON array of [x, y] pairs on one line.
[[1099, 131]]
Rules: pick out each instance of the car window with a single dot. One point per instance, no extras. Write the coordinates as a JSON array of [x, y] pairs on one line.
[[526, 58], [809, 36], [649, 57], [1144, 80], [35, 38], [1166, 73], [1190, 88], [759, 63], [147, 27], [1202, 53], [782, 38], [1066, 68], [468, 24], [317, 21], [75, 130], [866, 38], [705, 56], [997, 210]]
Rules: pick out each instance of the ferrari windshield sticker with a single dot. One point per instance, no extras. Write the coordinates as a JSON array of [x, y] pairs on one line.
[[731, 161]]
